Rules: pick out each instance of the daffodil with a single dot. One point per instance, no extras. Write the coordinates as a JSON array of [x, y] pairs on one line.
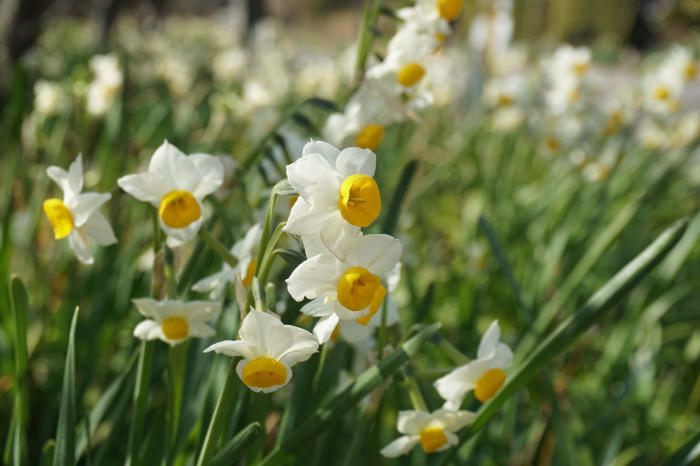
[[485, 375], [48, 97], [434, 431], [343, 276], [269, 350], [568, 62], [76, 216], [175, 184], [334, 186], [246, 251], [107, 80], [173, 321], [662, 91]]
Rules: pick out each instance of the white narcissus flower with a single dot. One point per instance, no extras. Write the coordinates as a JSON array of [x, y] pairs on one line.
[[108, 79], [269, 350], [48, 96], [568, 62], [504, 91], [173, 321], [662, 91], [485, 375], [342, 276], [434, 431], [246, 251], [682, 63], [76, 216], [333, 186], [175, 184]]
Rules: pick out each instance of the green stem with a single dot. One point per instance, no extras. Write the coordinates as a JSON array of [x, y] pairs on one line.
[[381, 338], [138, 410], [452, 351], [177, 365], [216, 246], [218, 418], [415, 393], [319, 369], [269, 253]]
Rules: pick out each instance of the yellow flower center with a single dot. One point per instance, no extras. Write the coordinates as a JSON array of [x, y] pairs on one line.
[[662, 92], [359, 202], [504, 100], [410, 74], [580, 68], [249, 273], [359, 288], [488, 384], [691, 70], [370, 137], [179, 208], [175, 328], [449, 9], [432, 439], [264, 373], [60, 217], [552, 144]]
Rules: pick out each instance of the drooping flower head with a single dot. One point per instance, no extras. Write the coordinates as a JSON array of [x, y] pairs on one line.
[[173, 321], [335, 186], [246, 251], [76, 216], [434, 431], [485, 375], [342, 276], [175, 184], [269, 350]]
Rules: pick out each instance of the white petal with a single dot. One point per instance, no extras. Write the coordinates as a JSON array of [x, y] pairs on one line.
[[145, 328], [233, 348], [200, 310], [148, 308], [454, 386], [318, 307], [452, 440], [412, 422], [75, 175], [78, 243], [307, 220], [314, 277], [84, 205], [292, 345], [99, 229], [60, 176], [200, 330], [400, 446], [352, 332], [454, 421], [340, 238], [324, 327], [215, 282], [487, 345], [174, 166], [377, 253], [254, 329], [503, 356], [147, 187], [211, 174], [315, 180], [354, 160], [328, 151]]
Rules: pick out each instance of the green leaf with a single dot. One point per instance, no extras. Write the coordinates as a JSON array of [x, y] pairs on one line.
[[391, 217], [102, 406], [292, 256], [323, 104], [683, 454], [566, 333], [64, 454], [303, 121], [20, 305], [140, 401], [231, 450], [47, 452], [333, 409]]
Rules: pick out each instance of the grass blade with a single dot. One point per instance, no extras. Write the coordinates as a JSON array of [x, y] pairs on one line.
[[564, 335], [64, 454], [231, 450], [392, 216], [20, 305]]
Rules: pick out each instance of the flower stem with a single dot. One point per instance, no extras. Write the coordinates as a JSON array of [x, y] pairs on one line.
[[216, 246], [414, 392]]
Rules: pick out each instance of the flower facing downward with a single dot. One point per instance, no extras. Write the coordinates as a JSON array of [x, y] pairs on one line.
[[485, 375], [246, 251], [173, 321], [342, 276], [333, 186], [175, 184], [76, 216], [269, 350], [434, 431]]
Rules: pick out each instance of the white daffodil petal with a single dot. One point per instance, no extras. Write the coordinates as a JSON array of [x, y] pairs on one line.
[[75, 174], [352, 332], [487, 345], [318, 307], [400, 446], [377, 253], [452, 440], [60, 176], [147, 187], [454, 420], [314, 277], [503, 356], [255, 327], [233, 348], [304, 219], [211, 174], [84, 205], [201, 310], [143, 330], [174, 166], [412, 422], [299, 346], [200, 330], [315, 180], [98, 228], [326, 150], [324, 327], [454, 386], [78, 243], [354, 160], [147, 307]]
